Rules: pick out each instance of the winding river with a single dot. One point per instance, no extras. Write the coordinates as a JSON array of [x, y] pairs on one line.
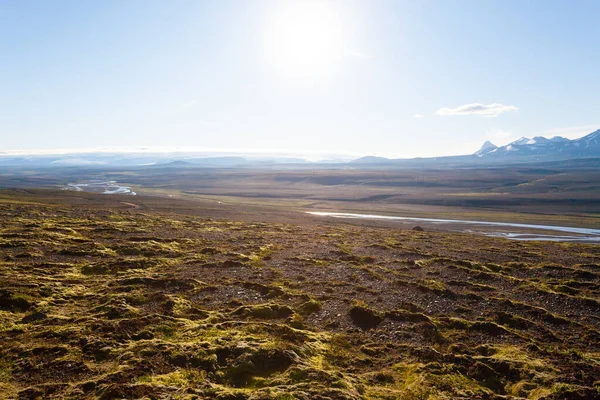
[[108, 187], [506, 229]]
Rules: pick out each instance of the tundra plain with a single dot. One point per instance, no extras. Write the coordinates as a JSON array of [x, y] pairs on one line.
[[153, 297]]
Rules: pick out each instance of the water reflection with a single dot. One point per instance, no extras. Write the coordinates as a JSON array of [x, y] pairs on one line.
[[104, 187], [522, 233]]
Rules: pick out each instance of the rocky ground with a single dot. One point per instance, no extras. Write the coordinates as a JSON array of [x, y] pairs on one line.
[[111, 300]]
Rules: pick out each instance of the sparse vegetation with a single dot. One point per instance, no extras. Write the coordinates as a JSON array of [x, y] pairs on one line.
[[101, 301]]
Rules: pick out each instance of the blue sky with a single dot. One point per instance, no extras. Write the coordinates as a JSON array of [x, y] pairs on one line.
[[412, 78]]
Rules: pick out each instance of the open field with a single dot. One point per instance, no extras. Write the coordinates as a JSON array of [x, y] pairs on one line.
[[146, 297], [564, 190]]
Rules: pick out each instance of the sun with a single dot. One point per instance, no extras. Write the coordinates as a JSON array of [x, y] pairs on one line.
[[306, 39]]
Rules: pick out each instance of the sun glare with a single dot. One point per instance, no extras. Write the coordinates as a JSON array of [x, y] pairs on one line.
[[306, 39]]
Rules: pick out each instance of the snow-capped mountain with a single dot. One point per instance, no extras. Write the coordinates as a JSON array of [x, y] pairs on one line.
[[541, 148], [591, 140], [486, 148]]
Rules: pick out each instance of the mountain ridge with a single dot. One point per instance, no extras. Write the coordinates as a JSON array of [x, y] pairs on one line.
[[522, 150], [540, 148]]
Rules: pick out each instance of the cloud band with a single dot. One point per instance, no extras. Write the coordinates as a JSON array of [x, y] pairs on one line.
[[483, 110]]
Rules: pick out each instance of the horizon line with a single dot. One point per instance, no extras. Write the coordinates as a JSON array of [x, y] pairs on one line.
[[308, 155]]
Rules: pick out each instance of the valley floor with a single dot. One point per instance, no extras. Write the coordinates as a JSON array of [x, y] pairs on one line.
[[110, 297]]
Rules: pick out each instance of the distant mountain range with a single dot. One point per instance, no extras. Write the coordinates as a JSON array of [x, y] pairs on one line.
[[542, 149], [140, 159], [524, 150]]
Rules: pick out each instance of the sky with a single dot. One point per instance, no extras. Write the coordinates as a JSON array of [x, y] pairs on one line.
[[397, 78]]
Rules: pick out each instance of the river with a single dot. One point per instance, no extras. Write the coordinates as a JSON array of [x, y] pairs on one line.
[[507, 230], [108, 187]]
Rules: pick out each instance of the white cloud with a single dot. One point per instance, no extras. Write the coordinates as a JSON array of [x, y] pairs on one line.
[[418, 116], [483, 110]]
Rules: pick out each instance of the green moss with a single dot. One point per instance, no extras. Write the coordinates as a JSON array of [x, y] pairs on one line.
[[309, 307], [181, 378], [173, 305], [265, 311]]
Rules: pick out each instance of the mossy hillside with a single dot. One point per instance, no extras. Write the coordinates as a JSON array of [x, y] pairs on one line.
[[110, 303]]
